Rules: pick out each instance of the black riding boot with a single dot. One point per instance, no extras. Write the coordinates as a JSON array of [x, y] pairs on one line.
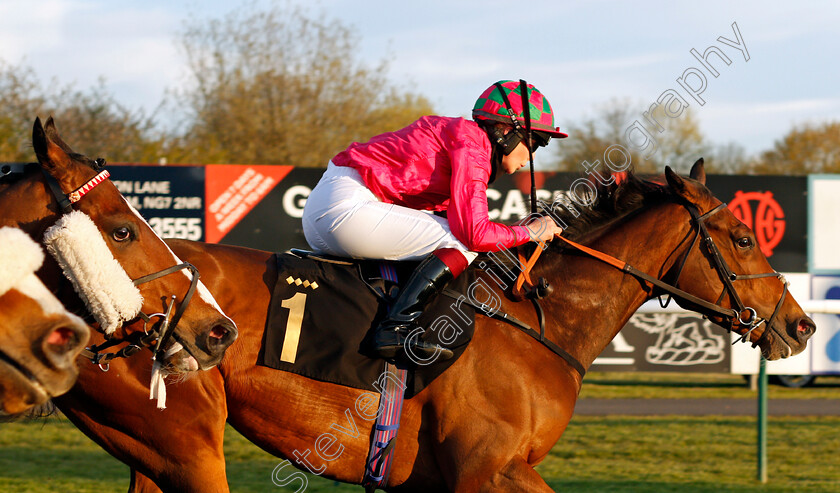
[[428, 279]]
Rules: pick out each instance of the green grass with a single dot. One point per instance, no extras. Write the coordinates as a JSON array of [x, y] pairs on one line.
[[640, 385], [615, 454], [708, 454], [612, 454]]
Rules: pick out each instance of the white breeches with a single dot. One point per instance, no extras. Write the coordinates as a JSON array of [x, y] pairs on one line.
[[343, 217]]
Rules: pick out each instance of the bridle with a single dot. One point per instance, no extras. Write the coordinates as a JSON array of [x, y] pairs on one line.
[[685, 299], [741, 314], [165, 328], [752, 321]]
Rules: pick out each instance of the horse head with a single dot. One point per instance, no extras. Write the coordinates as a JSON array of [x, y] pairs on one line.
[[724, 266], [39, 338], [129, 280], [640, 239]]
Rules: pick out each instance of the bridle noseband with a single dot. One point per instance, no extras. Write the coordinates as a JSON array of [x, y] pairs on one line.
[[157, 336], [751, 321]]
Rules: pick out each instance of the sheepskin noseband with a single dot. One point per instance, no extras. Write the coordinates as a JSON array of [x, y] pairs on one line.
[[109, 294], [20, 255]]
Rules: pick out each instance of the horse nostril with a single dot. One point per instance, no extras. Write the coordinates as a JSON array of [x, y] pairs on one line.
[[60, 337], [218, 332], [221, 336], [63, 340], [62, 344], [806, 328]]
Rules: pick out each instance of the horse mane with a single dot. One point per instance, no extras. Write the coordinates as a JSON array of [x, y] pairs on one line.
[[605, 204], [626, 194]]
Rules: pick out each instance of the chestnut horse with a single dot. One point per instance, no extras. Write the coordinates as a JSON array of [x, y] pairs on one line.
[[39, 339], [86, 220], [106, 231], [498, 411]]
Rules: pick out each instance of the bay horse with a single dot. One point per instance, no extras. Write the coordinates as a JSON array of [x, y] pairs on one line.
[[39, 338], [484, 423], [68, 202], [67, 184]]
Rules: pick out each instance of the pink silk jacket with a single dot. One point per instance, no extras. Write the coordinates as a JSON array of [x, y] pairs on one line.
[[441, 164]]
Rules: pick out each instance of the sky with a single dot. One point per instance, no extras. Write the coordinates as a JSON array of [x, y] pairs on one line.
[[581, 55]]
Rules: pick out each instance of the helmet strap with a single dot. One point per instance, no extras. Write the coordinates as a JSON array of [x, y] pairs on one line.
[[523, 133], [495, 164], [505, 142], [526, 112], [512, 114]]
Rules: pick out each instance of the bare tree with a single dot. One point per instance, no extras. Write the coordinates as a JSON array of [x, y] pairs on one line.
[[93, 120], [677, 142], [813, 148], [21, 102], [275, 86], [728, 159]]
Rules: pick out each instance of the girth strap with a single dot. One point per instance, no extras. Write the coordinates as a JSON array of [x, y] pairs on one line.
[[539, 336]]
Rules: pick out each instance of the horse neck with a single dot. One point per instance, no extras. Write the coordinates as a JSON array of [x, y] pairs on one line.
[[24, 206], [27, 205], [593, 300]]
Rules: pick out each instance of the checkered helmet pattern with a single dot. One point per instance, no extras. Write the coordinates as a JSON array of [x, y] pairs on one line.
[[491, 106]]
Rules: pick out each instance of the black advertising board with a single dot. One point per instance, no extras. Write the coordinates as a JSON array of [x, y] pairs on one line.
[[776, 208], [170, 198], [260, 206]]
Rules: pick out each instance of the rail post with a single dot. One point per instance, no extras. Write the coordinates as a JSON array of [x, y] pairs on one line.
[[762, 420]]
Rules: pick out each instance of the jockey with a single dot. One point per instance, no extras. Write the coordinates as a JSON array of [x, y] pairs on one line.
[[374, 199]]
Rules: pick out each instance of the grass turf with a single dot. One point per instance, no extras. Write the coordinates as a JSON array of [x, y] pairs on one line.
[[612, 454]]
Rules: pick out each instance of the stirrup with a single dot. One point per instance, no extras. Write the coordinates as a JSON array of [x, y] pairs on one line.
[[390, 343]]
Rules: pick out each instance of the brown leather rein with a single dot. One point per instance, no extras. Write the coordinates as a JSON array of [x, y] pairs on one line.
[[744, 315]]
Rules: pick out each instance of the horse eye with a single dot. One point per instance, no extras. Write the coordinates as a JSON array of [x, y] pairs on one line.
[[121, 234], [745, 242]]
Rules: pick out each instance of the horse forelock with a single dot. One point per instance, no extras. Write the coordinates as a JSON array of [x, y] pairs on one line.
[[84, 160]]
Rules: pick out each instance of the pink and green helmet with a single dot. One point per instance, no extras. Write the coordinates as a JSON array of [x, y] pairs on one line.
[[491, 106]]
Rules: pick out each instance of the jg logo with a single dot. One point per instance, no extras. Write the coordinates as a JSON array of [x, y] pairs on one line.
[[761, 213]]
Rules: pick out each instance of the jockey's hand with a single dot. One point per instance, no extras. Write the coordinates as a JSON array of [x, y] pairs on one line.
[[543, 229]]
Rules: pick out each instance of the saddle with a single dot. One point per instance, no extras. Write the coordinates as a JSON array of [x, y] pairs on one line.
[[323, 309]]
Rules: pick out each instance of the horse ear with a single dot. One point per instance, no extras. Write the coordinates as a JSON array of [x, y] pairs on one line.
[[698, 171], [52, 134], [681, 186], [675, 181], [50, 155]]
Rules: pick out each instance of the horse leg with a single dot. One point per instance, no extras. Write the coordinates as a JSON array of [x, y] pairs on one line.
[[516, 476], [142, 484], [178, 449]]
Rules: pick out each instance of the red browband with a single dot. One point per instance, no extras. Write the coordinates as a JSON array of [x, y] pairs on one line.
[[80, 192]]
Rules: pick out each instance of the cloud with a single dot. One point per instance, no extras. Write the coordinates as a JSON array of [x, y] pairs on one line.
[[80, 42], [26, 27]]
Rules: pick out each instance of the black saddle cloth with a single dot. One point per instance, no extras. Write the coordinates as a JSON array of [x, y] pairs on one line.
[[322, 315]]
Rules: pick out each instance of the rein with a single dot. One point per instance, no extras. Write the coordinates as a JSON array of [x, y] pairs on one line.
[[699, 305], [155, 336]]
